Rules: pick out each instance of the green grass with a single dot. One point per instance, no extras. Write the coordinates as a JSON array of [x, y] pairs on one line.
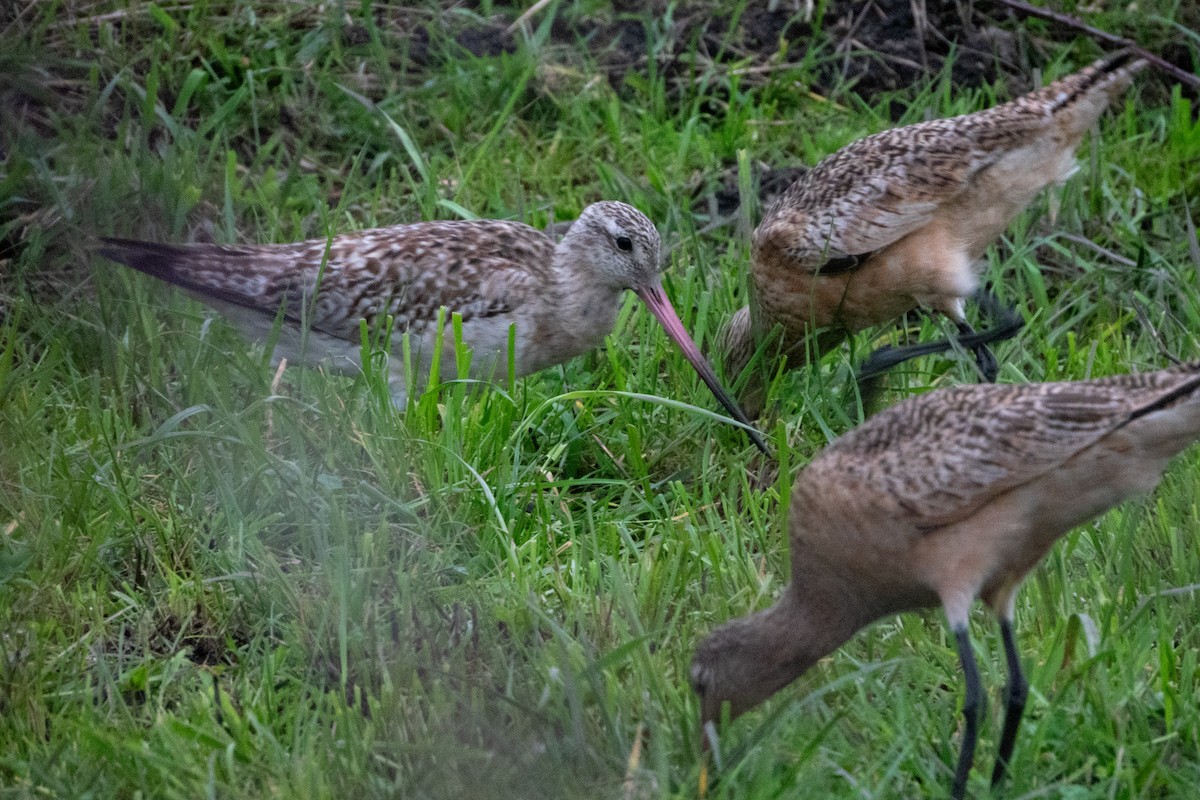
[[216, 584]]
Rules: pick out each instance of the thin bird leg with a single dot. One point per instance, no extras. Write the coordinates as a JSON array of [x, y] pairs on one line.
[[889, 356], [971, 704], [989, 368], [1008, 323], [1018, 691]]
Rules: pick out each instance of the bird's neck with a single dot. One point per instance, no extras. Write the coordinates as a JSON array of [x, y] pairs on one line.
[[738, 344], [825, 608], [571, 315], [814, 617]]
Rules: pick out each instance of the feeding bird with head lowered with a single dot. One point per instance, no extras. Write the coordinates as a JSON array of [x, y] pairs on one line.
[[941, 499]]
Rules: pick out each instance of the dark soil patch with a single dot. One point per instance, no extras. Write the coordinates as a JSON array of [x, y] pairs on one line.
[[874, 47]]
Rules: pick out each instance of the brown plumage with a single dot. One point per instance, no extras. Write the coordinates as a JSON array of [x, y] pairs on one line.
[[561, 299], [899, 220], [944, 498]]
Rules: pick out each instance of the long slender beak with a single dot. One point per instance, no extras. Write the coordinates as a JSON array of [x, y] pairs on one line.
[[656, 300]]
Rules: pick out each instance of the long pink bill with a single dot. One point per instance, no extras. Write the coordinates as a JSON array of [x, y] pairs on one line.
[[656, 300]]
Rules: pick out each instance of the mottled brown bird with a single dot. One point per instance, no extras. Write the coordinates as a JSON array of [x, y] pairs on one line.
[[899, 220], [562, 299], [944, 498]]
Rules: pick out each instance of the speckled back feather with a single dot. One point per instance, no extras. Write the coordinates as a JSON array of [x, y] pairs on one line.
[[880, 188], [476, 268], [941, 455]]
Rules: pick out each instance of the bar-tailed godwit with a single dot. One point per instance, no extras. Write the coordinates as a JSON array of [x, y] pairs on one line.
[[562, 299]]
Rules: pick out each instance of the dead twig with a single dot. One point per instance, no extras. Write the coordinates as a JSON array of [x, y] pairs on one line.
[[1077, 24], [524, 18], [1104, 251]]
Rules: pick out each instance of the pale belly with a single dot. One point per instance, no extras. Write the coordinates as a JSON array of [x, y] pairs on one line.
[[484, 347]]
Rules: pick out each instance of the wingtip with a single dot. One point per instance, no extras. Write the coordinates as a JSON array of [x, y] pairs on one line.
[[196, 268], [111, 248]]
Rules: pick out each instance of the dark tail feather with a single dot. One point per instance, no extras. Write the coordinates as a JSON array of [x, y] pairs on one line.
[[1112, 67], [170, 264], [157, 260]]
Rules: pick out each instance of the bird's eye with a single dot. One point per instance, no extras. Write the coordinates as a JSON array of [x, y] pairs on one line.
[[624, 243]]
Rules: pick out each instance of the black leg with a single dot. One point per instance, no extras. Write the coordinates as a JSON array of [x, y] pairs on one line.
[[1008, 323], [889, 356], [1018, 691], [971, 703], [989, 368]]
